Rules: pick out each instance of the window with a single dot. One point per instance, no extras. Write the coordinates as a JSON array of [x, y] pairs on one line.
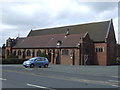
[[98, 49], [65, 52], [40, 59], [38, 53], [28, 53], [19, 53]]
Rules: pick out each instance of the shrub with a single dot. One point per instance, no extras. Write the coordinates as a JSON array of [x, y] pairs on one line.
[[11, 56], [43, 55], [118, 60], [12, 61]]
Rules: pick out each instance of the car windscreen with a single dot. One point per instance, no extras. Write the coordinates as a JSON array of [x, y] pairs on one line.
[[32, 59]]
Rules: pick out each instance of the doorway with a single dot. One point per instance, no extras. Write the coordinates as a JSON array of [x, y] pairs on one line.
[[58, 57]]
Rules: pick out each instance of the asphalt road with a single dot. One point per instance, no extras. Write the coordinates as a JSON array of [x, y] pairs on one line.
[[60, 76]]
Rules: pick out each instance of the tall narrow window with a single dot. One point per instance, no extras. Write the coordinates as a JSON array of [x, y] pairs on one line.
[[28, 53], [38, 53], [19, 53]]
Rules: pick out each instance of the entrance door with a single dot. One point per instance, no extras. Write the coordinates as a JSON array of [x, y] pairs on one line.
[[49, 56], [58, 57], [85, 59]]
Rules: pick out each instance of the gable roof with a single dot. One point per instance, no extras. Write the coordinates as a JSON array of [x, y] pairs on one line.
[[49, 41], [97, 30]]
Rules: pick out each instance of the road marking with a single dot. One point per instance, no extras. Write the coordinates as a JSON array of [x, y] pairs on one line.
[[33, 85], [115, 85], [2, 79], [29, 69], [115, 76], [67, 78], [36, 86], [113, 81]]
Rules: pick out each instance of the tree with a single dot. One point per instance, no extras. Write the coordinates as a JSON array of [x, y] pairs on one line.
[[43, 54]]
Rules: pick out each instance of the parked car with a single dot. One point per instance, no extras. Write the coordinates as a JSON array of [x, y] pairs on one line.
[[36, 61]]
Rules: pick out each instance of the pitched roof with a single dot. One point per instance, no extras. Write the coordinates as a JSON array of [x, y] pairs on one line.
[[49, 41], [97, 30]]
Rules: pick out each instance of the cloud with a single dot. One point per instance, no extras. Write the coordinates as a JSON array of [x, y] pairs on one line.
[[21, 17]]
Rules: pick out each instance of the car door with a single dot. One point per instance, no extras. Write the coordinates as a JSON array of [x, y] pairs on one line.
[[36, 62], [40, 62]]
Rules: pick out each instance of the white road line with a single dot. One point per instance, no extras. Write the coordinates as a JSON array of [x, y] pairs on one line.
[[33, 85], [115, 85], [36, 86], [29, 69], [115, 76], [2, 79], [113, 81]]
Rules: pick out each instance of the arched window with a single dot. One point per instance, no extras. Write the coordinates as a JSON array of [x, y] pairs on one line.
[[38, 53], [14, 53], [19, 53], [28, 53]]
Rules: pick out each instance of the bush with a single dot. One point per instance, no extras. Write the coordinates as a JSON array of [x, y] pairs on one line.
[[11, 56], [118, 60], [12, 61], [43, 55]]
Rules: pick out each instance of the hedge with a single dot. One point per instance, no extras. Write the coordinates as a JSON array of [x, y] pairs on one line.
[[13, 61]]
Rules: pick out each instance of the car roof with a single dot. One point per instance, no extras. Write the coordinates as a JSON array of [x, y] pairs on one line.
[[39, 57]]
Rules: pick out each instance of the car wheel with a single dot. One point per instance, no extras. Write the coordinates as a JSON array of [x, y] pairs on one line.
[[46, 65], [39, 66], [32, 66], [26, 66]]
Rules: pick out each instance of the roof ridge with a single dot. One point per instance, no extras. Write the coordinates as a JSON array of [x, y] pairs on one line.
[[69, 25], [57, 35]]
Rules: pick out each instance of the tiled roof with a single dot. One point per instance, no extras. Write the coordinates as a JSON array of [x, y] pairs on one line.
[[49, 41], [97, 30]]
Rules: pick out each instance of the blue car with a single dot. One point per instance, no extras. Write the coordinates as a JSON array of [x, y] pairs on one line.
[[36, 61]]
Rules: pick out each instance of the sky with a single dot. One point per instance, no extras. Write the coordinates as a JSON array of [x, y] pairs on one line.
[[18, 18]]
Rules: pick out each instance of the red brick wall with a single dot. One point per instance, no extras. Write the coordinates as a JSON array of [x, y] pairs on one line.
[[77, 56], [100, 58], [118, 50], [65, 59], [111, 46], [8, 51], [87, 47]]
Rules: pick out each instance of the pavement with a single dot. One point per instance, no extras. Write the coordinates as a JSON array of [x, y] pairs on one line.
[[60, 76]]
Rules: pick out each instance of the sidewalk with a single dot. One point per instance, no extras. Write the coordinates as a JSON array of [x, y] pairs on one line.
[[86, 70], [93, 70]]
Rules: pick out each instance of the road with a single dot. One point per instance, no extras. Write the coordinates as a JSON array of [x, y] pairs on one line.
[[60, 76]]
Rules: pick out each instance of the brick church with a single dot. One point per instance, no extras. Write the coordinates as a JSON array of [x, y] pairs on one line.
[[83, 44]]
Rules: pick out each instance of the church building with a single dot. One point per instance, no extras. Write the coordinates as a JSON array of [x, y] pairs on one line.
[[82, 44]]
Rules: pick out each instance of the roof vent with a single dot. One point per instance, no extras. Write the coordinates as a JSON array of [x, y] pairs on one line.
[[59, 43], [67, 33]]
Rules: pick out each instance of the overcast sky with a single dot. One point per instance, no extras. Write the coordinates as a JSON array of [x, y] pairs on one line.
[[20, 18]]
